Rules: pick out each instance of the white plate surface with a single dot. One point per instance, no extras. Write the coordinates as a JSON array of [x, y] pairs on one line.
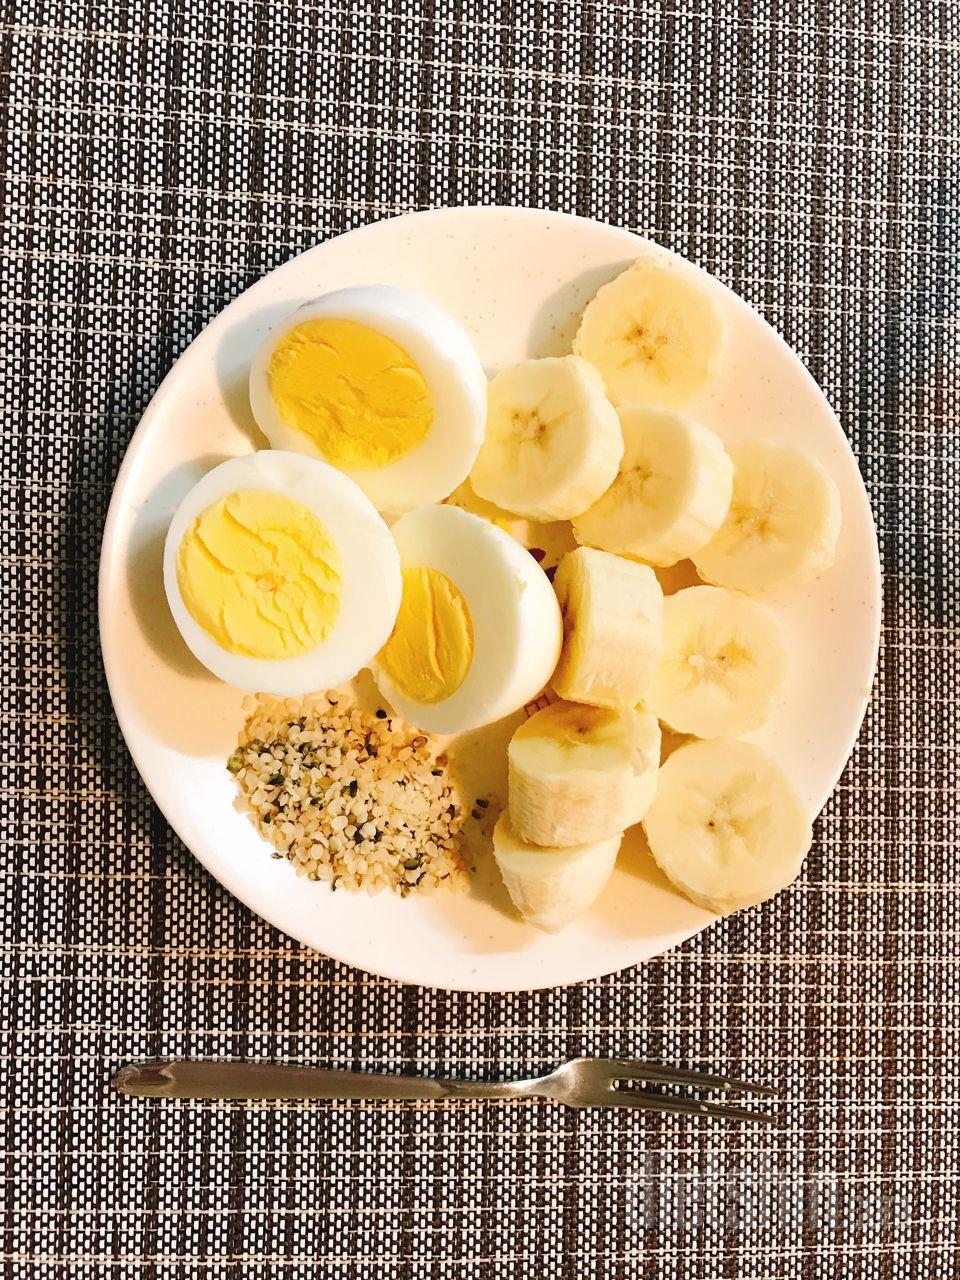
[[518, 281]]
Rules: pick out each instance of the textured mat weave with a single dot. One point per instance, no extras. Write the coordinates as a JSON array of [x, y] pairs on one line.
[[156, 159]]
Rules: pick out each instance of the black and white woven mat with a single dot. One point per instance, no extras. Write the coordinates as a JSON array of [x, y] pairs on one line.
[[156, 159]]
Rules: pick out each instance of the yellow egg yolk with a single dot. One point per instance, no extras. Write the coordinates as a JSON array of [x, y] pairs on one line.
[[356, 393], [261, 575], [430, 651]]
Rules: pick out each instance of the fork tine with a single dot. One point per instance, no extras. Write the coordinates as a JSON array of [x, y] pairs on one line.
[[647, 1100], [625, 1069]]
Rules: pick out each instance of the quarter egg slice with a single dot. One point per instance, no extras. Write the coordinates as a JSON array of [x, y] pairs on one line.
[[280, 574], [380, 383], [478, 633]]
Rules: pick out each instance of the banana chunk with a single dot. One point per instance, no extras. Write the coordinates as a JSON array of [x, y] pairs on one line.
[[727, 825], [723, 664], [553, 442], [551, 887], [546, 541], [653, 332], [671, 495], [612, 628], [782, 525], [579, 774]]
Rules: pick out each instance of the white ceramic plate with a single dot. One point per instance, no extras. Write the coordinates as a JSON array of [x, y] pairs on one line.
[[517, 280]]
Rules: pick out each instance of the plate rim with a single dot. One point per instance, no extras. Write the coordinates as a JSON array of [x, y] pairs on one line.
[[138, 439]]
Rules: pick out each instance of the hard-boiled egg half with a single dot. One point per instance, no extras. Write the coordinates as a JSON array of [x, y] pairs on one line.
[[380, 383], [478, 633], [280, 574]]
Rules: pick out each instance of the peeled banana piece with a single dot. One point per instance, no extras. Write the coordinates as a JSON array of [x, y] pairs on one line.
[[654, 333], [551, 887], [727, 825], [578, 774], [612, 613], [723, 663], [782, 525], [548, 542], [553, 441], [671, 494]]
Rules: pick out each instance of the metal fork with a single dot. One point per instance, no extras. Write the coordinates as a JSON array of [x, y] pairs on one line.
[[581, 1082]]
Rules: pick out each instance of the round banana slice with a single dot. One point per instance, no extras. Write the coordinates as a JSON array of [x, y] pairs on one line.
[[551, 887], [671, 494], [579, 774], [552, 443], [782, 525], [653, 332], [723, 664], [612, 628], [727, 825]]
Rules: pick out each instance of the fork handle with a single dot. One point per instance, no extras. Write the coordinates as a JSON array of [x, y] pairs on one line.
[[491, 1089], [182, 1078]]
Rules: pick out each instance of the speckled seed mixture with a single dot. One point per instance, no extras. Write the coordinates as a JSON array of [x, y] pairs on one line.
[[355, 798]]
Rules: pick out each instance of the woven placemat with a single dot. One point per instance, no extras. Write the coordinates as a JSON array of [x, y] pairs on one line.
[[158, 158]]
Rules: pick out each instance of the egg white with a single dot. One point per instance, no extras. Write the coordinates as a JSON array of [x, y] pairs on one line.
[[517, 630], [448, 361], [370, 584]]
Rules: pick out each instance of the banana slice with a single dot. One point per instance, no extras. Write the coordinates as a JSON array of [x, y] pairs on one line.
[[783, 522], [654, 334], [551, 887], [723, 665], [727, 825], [553, 441], [579, 774], [671, 495], [612, 628], [545, 542]]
